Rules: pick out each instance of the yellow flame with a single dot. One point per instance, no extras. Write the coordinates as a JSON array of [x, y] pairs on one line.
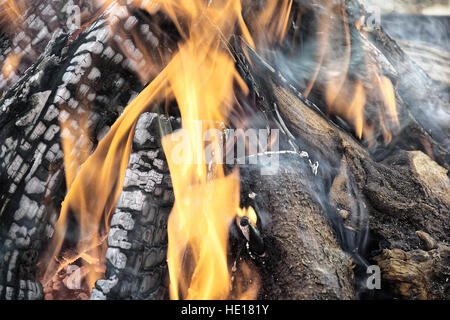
[[206, 199], [273, 19], [97, 186], [249, 213]]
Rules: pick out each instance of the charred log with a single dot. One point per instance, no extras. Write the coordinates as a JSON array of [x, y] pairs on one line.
[[67, 80], [363, 188], [303, 259]]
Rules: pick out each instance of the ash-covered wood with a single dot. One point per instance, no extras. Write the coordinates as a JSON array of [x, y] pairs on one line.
[[36, 28]]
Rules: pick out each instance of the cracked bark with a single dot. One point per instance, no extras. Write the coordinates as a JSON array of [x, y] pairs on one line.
[[71, 77]]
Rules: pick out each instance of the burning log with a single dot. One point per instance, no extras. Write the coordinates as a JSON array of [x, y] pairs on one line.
[[415, 86], [32, 171], [70, 78], [362, 179]]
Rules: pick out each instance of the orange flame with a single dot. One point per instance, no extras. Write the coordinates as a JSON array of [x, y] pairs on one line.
[[206, 199], [346, 96], [77, 148], [273, 19]]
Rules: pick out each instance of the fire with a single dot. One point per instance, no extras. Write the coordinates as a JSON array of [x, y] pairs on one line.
[[249, 213], [77, 147], [273, 20], [206, 199], [348, 95], [202, 78]]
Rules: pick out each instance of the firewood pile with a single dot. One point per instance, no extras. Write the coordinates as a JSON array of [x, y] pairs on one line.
[[332, 182]]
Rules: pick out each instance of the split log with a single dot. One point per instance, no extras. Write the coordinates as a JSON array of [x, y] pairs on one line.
[[416, 274]]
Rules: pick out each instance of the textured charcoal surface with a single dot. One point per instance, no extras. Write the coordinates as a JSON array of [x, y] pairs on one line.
[[42, 19], [92, 72], [68, 80], [137, 242]]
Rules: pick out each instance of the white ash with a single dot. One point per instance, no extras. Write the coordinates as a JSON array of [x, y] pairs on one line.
[[131, 200], [34, 186], [118, 238], [39, 100], [107, 285], [94, 74], [118, 58], [25, 146], [19, 235], [51, 113], [38, 131], [123, 219], [130, 23], [109, 53], [64, 116], [40, 150], [23, 169], [28, 208], [97, 294], [15, 165], [51, 132]]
